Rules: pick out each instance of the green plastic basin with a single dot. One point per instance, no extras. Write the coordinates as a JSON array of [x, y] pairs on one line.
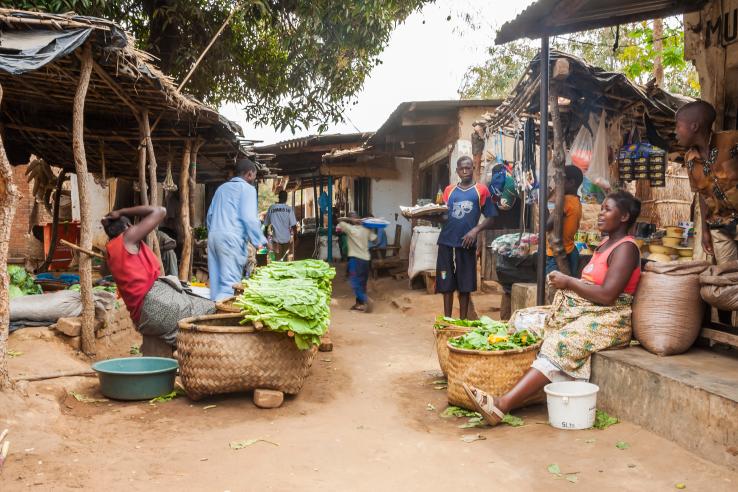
[[136, 378]]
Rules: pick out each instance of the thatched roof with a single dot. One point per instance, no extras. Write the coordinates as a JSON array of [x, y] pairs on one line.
[[37, 104]]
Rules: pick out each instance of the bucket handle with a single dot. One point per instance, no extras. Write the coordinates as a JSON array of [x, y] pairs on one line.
[[565, 400]]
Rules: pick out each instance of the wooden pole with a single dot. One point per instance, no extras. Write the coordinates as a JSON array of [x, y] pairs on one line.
[[153, 188], [557, 166], [81, 249], [658, 51], [195, 148], [8, 198], [543, 175], [80, 166], [184, 213], [55, 222]]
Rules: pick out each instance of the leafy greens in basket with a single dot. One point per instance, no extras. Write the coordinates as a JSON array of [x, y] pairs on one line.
[[290, 297], [493, 336]]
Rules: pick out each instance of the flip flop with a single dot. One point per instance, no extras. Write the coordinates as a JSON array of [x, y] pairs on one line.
[[484, 404]]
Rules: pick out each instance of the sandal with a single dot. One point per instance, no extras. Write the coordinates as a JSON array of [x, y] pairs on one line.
[[361, 308], [484, 404]]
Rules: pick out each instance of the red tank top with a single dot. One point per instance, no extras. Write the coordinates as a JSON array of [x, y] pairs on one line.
[[134, 274], [596, 270]]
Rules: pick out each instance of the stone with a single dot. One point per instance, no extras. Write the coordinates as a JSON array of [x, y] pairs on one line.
[[689, 399], [156, 347], [522, 296], [71, 327], [265, 398]]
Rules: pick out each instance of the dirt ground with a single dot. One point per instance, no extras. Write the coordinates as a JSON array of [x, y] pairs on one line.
[[367, 419]]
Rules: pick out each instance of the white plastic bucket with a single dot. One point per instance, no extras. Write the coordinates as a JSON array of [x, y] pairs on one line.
[[571, 404]]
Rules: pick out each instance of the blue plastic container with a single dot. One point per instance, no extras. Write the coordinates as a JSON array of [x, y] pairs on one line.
[[136, 378]]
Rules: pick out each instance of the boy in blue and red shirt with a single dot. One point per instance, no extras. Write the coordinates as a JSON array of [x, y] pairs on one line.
[[456, 265]]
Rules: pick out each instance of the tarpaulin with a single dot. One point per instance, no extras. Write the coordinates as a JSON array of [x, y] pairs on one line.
[[25, 51]]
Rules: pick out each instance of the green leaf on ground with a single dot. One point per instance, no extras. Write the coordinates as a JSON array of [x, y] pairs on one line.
[[554, 469], [458, 412], [622, 445], [572, 478], [603, 420], [14, 353], [474, 422], [87, 399], [680, 486], [135, 350], [430, 407], [168, 397], [248, 442], [512, 420]]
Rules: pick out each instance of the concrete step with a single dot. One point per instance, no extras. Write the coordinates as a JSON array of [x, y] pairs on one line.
[[690, 399]]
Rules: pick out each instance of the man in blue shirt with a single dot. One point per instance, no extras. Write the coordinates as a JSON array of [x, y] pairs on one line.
[[456, 265], [232, 223]]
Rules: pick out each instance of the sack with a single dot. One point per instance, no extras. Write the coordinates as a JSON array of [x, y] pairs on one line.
[[581, 149], [719, 286], [599, 165], [423, 250], [668, 309]]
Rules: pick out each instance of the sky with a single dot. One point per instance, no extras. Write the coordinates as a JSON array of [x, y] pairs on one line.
[[426, 59]]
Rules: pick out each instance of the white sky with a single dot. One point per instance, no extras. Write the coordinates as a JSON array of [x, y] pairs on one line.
[[425, 59]]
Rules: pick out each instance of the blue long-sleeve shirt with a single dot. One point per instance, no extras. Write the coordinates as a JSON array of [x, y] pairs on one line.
[[234, 211]]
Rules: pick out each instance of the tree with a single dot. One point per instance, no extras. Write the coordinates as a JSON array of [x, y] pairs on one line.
[[634, 56], [292, 63]]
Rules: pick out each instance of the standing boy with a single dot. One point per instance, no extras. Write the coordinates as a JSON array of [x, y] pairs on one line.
[[284, 225], [358, 257], [573, 178], [456, 265]]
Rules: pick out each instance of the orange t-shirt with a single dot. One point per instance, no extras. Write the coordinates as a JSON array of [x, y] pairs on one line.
[[572, 217]]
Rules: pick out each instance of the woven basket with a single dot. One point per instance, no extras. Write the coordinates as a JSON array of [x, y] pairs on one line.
[[443, 334], [494, 372], [226, 306], [218, 355]]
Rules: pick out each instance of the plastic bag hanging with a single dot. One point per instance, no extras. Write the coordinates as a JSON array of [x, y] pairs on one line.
[[581, 148], [599, 167]]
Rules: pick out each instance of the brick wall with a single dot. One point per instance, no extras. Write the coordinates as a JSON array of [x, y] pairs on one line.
[[19, 230]]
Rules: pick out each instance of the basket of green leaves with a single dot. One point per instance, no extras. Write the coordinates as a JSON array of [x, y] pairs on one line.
[[491, 357]]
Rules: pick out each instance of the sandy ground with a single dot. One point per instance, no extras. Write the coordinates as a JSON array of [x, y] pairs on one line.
[[367, 419]]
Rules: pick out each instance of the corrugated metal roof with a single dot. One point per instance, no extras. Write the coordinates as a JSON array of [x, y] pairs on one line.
[[552, 17]]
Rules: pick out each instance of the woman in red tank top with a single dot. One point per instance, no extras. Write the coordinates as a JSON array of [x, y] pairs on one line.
[[155, 305], [587, 315]]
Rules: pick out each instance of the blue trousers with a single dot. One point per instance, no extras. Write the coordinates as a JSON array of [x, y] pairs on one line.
[[227, 256], [358, 271], [572, 258]]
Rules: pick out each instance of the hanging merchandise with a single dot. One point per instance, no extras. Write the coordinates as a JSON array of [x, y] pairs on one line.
[[502, 187], [169, 180], [581, 149], [529, 161], [500, 148], [599, 166], [642, 161]]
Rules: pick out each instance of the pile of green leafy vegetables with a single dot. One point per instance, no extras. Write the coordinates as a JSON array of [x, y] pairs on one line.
[[291, 296], [98, 288], [22, 283], [489, 334]]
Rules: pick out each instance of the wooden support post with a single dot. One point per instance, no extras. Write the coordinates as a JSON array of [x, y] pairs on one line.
[[143, 190], [8, 198], [184, 213], [153, 188], [85, 236], [54, 222], [557, 166], [193, 177]]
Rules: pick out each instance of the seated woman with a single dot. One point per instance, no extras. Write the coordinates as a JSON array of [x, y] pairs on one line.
[[155, 303], [587, 315]]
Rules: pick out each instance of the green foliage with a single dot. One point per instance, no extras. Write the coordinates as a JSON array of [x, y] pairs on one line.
[[294, 64], [21, 282], [267, 197], [492, 335], [290, 297], [505, 64]]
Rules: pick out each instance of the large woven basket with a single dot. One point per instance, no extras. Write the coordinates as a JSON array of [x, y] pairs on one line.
[[443, 334], [494, 372], [218, 355], [226, 306]]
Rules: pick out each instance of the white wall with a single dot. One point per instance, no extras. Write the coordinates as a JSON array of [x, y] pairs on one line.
[[99, 206], [386, 196]]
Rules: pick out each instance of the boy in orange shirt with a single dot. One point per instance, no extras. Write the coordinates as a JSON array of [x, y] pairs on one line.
[[572, 216]]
